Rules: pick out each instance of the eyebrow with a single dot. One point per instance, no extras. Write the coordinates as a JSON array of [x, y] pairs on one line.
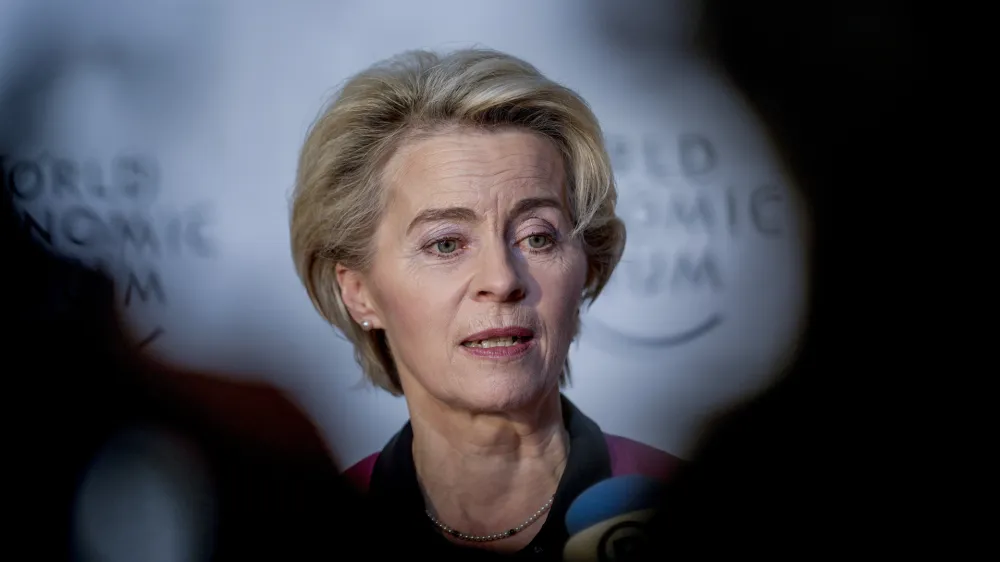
[[525, 206], [465, 214]]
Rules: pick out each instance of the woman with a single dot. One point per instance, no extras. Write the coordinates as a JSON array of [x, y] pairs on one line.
[[451, 216]]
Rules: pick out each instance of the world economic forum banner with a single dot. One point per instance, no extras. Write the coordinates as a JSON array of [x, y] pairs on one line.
[[168, 152]]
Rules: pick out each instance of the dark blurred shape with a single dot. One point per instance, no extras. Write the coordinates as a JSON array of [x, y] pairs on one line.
[[74, 380], [646, 27], [836, 84]]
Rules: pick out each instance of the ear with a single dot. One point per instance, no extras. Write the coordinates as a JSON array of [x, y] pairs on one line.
[[356, 296]]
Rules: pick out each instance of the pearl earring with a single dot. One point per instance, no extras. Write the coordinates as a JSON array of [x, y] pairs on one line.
[[366, 325]]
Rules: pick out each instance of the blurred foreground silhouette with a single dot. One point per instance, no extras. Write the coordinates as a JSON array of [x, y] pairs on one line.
[[74, 381], [837, 85], [87, 411]]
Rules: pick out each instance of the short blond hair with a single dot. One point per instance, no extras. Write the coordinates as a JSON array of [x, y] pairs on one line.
[[339, 197]]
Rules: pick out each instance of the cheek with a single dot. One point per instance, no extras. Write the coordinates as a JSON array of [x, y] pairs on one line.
[[398, 304], [562, 286], [575, 273], [412, 306]]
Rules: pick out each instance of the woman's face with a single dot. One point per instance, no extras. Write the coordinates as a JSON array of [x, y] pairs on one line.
[[475, 278]]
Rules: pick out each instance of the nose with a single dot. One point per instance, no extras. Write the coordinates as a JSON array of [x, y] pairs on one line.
[[498, 278]]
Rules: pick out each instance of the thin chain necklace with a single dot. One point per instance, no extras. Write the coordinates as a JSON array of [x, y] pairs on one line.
[[495, 536]]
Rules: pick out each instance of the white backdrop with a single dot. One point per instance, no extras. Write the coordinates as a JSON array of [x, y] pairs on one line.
[[171, 162]]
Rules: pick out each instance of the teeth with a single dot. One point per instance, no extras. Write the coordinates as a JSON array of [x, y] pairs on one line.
[[494, 342]]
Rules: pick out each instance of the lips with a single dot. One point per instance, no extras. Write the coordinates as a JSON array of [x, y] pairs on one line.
[[502, 344], [499, 337]]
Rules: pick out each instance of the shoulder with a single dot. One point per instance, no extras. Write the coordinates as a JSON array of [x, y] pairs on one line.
[[627, 456], [359, 474], [632, 457], [385, 463]]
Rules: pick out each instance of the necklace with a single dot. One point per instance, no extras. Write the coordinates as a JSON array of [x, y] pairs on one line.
[[495, 536]]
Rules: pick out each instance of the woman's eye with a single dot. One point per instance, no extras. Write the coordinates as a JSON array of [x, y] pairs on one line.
[[538, 241], [446, 246]]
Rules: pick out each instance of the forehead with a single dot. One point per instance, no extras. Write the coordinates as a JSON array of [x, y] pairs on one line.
[[474, 168]]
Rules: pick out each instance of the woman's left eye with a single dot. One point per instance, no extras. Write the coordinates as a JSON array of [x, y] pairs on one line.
[[538, 241]]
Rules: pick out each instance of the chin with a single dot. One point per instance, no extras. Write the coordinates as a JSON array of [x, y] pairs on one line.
[[506, 394]]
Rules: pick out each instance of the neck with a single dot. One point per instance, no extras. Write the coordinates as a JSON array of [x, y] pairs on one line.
[[488, 468]]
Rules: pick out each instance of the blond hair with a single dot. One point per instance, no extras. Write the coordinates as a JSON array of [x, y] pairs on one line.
[[339, 196]]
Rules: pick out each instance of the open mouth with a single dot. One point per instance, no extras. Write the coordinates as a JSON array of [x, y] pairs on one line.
[[504, 341], [500, 343]]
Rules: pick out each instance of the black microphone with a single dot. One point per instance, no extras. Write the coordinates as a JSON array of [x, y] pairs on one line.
[[607, 522]]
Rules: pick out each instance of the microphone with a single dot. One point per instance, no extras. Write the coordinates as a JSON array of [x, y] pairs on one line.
[[606, 523]]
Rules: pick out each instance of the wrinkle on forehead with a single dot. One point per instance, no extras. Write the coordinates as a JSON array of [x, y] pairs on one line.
[[454, 161]]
